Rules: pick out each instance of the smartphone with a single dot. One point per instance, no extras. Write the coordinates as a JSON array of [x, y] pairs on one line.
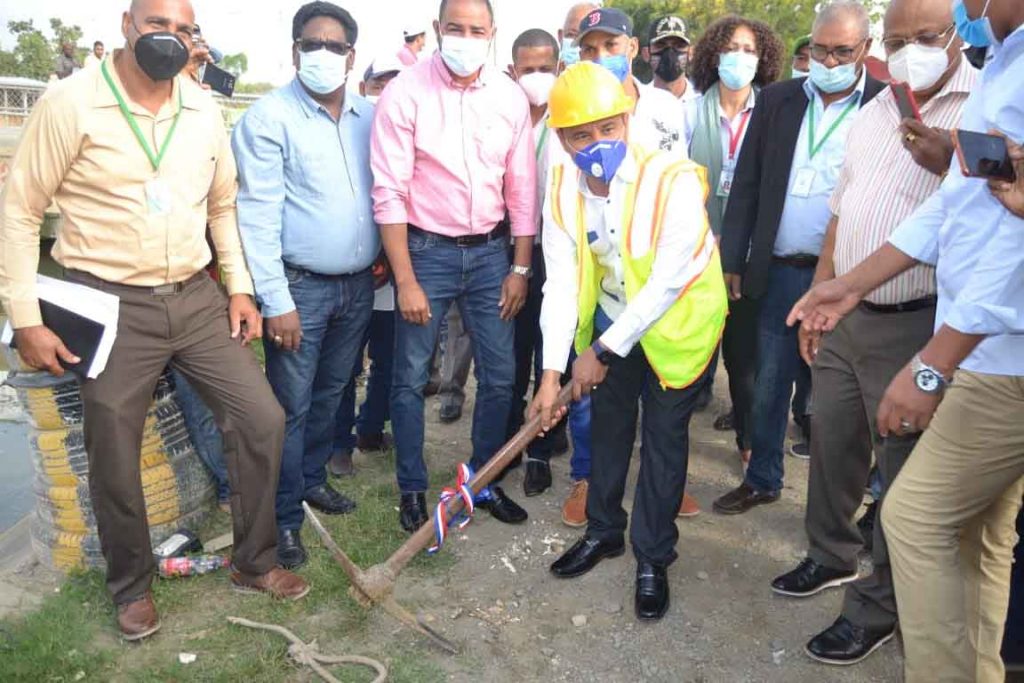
[[983, 156], [218, 79], [905, 100]]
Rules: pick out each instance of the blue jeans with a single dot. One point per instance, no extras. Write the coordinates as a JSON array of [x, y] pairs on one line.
[[374, 412], [579, 426], [202, 430], [309, 382], [472, 277], [778, 367]]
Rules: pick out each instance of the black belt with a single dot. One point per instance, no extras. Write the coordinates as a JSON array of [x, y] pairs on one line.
[[905, 307], [82, 277], [797, 260], [500, 231], [310, 273]]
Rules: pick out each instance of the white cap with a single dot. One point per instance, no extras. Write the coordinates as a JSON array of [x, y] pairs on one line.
[[413, 29], [383, 65]]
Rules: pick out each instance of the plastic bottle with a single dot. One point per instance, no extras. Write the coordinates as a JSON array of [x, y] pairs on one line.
[[192, 565]]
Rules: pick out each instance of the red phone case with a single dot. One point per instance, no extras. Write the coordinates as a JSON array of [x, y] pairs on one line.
[[905, 96]]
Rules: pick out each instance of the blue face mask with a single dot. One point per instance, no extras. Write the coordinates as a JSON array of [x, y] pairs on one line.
[[570, 53], [833, 80], [975, 32], [617, 64], [736, 70], [601, 160]]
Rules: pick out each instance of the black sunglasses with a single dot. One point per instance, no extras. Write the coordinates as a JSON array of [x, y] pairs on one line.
[[312, 45]]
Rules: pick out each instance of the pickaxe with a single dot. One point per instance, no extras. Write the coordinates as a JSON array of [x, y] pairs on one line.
[[376, 585]]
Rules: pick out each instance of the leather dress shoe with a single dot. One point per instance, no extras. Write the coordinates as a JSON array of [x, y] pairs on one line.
[[584, 556], [741, 499], [291, 554], [725, 422], [501, 507], [845, 643], [810, 578], [412, 511], [277, 583], [449, 413], [651, 599], [866, 525], [537, 479], [138, 619], [329, 501]]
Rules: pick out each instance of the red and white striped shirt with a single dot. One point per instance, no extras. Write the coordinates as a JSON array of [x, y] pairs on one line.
[[881, 185]]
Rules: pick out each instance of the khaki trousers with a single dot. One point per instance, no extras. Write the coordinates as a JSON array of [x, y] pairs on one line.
[[950, 521], [190, 330]]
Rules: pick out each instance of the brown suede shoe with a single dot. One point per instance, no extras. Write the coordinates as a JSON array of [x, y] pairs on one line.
[[138, 619], [574, 510], [689, 507], [277, 583]]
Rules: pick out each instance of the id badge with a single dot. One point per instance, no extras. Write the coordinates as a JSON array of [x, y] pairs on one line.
[[158, 197], [725, 183], [803, 183]]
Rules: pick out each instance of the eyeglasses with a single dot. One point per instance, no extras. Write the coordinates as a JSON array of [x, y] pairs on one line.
[[843, 55], [312, 45], [931, 39]]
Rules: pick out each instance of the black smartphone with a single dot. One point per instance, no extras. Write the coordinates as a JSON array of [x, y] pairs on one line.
[[905, 101], [983, 156], [218, 79]]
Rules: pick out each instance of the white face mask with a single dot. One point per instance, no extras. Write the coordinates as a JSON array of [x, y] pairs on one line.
[[918, 66], [322, 71], [537, 87], [373, 99], [464, 56]]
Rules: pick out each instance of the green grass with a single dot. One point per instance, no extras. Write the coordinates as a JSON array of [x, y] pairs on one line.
[[72, 637]]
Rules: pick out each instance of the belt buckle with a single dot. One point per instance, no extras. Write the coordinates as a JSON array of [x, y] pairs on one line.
[[166, 290], [463, 240]]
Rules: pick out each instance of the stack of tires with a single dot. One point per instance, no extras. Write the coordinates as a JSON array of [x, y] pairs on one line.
[[179, 492]]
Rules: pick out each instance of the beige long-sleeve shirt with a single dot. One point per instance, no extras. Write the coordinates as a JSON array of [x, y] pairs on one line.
[[78, 149]]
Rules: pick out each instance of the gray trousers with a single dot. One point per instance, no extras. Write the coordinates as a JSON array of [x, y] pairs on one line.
[[855, 365], [456, 354]]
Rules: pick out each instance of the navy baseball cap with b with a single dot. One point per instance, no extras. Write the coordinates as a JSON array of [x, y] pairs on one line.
[[606, 20]]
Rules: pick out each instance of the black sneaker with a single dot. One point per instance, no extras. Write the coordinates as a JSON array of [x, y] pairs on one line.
[[810, 578]]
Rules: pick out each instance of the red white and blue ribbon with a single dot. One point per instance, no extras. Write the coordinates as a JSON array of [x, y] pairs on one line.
[[441, 521]]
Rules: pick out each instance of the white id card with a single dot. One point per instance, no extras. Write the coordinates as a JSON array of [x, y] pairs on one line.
[[803, 183], [158, 197], [725, 182]]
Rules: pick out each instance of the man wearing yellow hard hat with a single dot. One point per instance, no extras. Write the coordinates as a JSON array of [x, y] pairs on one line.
[[635, 283]]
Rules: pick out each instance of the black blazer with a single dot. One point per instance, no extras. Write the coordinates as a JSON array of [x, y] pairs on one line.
[[759, 188]]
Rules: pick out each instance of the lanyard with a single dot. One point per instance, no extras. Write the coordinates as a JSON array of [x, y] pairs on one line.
[[812, 148], [153, 158], [543, 139], [734, 140]]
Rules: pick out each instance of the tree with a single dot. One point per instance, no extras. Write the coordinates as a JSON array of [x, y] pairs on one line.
[[65, 34], [237, 64], [32, 56]]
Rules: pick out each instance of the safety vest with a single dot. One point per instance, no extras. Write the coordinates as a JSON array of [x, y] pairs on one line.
[[680, 345]]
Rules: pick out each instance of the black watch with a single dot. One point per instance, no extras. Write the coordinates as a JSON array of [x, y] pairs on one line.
[[603, 354]]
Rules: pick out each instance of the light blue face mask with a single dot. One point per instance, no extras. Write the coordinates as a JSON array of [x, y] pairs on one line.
[[737, 69], [797, 73], [322, 71], [617, 64], [833, 80], [570, 53], [975, 32]]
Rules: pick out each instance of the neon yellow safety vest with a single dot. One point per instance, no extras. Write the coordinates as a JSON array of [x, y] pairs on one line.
[[680, 345]]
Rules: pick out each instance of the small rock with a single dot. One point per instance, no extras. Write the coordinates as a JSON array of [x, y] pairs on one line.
[[579, 620], [547, 652], [777, 656], [186, 657], [703, 576]]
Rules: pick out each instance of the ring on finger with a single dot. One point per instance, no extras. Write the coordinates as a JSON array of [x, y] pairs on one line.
[[911, 138], [905, 426], [278, 339]]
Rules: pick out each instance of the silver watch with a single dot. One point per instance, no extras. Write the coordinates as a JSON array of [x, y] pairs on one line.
[[928, 379], [525, 271]]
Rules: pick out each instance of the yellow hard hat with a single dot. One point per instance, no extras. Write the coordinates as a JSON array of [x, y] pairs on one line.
[[584, 93]]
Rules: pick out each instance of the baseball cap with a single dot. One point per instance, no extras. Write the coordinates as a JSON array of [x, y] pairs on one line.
[[801, 43], [668, 27], [413, 29], [382, 65], [606, 20]]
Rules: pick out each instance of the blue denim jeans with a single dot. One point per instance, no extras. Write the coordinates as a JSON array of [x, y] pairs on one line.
[[375, 410], [778, 367], [579, 427], [472, 277], [202, 430], [309, 382]]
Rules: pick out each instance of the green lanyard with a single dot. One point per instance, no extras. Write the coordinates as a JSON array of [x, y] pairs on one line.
[[812, 148], [154, 159], [543, 139]]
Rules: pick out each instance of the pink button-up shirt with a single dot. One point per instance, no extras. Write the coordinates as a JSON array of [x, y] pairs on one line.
[[451, 160], [406, 56]]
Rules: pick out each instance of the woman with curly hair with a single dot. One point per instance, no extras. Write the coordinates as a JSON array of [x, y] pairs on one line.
[[733, 60]]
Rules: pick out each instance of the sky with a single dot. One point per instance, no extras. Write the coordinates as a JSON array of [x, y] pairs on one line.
[[262, 30]]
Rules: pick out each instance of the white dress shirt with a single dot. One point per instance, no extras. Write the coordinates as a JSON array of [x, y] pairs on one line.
[[659, 121]]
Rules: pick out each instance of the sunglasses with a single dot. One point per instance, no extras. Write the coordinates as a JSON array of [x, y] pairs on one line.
[[312, 45]]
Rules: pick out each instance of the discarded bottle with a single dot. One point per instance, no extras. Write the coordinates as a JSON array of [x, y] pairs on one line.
[[193, 565], [178, 544]]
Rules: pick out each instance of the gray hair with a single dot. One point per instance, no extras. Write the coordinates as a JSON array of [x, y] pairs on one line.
[[838, 10]]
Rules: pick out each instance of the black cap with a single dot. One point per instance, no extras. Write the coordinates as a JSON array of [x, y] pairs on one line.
[[667, 27], [312, 10], [606, 20]]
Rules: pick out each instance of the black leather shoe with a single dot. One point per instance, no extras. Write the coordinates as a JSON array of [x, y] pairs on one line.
[[449, 413], [844, 643], [866, 525], [725, 422], [538, 478], [329, 501], [290, 552], [651, 591], [584, 556], [810, 578], [502, 508], [412, 511], [741, 499]]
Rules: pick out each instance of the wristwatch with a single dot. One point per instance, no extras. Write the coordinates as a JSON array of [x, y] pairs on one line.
[[928, 379], [603, 355], [525, 271]]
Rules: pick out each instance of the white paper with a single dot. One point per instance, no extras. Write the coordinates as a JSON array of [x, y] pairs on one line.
[[87, 302]]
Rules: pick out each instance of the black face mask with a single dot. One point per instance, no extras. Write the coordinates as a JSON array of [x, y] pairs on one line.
[[670, 65], [161, 55]]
